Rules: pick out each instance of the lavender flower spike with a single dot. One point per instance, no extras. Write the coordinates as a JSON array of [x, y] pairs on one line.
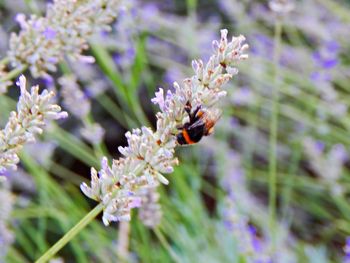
[[65, 30], [150, 155], [281, 6], [33, 110]]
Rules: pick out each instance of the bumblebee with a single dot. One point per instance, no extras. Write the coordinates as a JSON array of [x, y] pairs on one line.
[[201, 123]]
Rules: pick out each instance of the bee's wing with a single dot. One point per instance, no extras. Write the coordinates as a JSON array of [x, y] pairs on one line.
[[207, 120], [210, 118], [198, 123]]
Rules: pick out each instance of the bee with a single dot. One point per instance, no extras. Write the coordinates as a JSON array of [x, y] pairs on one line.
[[201, 123]]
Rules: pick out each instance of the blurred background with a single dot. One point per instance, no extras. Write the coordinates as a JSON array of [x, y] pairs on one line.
[[216, 207]]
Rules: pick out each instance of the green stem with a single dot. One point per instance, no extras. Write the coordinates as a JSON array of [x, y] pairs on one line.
[[166, 245], [100, 148], [191, 6], [113, 109], [110, 70], [70, 234], [73, 145], [273, 133], [14, 73], [4, 61], [124, 95]]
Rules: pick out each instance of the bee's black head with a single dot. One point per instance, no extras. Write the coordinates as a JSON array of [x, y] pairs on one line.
[[181, 139]]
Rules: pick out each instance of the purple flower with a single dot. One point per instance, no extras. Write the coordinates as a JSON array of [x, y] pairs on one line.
[[319, 146], [126, 57], [315, 76], [48, 81], [150, 10], [136, 202], [242, 96], [159, 98], [347, 250], [130, 53], [52, 60], [255, 241], [172, 74], [262, 45], [333, 46], [329, 63], [327, 56], [228, 225], [49, 33], [104, 33], [339, 153]]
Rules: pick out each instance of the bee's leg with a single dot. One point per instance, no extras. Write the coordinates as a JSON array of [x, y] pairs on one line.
[[196, 114], [188, 108], [196, 110]]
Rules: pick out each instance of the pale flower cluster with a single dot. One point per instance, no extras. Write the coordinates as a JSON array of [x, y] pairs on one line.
[[64, 31], [3, 84], [149, 155], [150, 212], [33, 110], [6, 204], [77, 103], [327, 164], [281, 6]]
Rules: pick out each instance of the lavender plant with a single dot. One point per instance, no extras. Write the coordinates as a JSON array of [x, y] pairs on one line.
[[150, 154], [264, 188], [33, 110], [43, 41]]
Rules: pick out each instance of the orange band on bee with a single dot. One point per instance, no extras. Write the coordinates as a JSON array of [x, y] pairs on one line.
[[187, 137], [199, 114]]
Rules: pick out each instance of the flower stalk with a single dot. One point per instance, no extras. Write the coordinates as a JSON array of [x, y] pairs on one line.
[[70, 234], [274, 131]]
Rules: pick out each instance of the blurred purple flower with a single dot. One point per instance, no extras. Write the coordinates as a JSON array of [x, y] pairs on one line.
[[325, 59], [243, 96], [172, 74], [262, 45], [50, 33], [234, 122], [228, 224], [333, 46], [255, 241], [319, 146], [136, 202], [149, 11], [48, 80], [125, 57], [347, 251], [104, 33], [338, 152]]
